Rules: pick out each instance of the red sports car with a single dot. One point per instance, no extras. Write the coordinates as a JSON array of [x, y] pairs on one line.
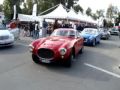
[[61, 46]]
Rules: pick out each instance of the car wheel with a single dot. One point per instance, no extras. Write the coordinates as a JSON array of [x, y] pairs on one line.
[[68, 63], [35, 59], [94, 42], [81, 50]]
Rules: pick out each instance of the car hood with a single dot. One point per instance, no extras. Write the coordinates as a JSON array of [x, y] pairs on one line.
[[88, 35], [55, 42], [4, 32]]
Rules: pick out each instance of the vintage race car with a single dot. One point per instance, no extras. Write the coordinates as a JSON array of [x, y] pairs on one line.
[[61, 46], [91, 36]]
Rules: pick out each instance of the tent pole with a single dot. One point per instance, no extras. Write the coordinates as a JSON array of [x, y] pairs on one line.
[[48, 9]]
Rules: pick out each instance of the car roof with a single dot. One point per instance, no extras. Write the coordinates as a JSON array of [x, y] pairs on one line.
[[91, 29], [67, 29]]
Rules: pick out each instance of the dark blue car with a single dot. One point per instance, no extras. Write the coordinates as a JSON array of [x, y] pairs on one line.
[[91, 36]]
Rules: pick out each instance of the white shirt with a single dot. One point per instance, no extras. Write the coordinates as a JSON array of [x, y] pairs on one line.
[[36, 25]]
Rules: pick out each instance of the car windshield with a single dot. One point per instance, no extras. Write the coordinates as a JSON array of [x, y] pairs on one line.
[[63, 33], [89, 31], [114, 29], [2, 27]]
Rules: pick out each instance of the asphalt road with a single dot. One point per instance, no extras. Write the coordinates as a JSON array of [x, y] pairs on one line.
[[95, 69]]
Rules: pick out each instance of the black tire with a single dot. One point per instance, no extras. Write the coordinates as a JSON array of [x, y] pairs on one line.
[[94, 42], [68, 63], [98, 42], [81, 50], [35, 59]]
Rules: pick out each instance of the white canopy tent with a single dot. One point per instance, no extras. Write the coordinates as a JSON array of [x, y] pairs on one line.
[[33, 17], [23, 17], [86, 18], [58, 13], [72, 15], [81, 17]]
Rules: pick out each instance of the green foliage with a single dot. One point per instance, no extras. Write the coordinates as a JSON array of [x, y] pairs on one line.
[[100, 13], [117, 20], [1, 7], [107, 24], [28, 6], [89, 12], [110, 24], [112, 11], [78, 8], [8, 8], [94, 16]]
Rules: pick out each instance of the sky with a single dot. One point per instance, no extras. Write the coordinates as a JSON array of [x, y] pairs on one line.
[[1, 1], [98, 4]]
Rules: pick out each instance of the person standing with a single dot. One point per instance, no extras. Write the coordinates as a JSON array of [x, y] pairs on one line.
[[36, 30], [44, 29], [31, 29], [55, 25]]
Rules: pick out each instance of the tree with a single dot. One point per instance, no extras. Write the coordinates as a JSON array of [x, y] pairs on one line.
[[78, 8], [45, 4], [8, 8], [100, 13], [112, 11], [104, 23], [89, 12], [117, 20], [94, 16], [1, 7]]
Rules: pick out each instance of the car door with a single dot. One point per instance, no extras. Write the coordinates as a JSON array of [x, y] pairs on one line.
[[98, 36], [79, 42]]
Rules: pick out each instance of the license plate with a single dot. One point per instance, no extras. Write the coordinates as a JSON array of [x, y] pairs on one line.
[[45, 61]]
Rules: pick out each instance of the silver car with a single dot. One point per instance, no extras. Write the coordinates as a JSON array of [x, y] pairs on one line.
[[105, 34], [114, 31], [6, 38]]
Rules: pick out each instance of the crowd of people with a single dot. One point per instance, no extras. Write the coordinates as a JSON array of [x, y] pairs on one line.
[[36, 29]]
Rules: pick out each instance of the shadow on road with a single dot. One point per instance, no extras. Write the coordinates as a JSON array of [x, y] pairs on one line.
[[16, 49], [80, 70]]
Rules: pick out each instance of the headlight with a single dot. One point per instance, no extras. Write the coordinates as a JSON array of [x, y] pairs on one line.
[[62, 51], [11, 36], [31, 47]]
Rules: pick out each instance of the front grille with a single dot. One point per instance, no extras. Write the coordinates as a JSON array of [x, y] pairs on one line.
[[4, 37], [45, 53], [6, 44]]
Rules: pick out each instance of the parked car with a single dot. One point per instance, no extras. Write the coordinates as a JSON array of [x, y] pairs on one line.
[[6, 38], [12, 26], [61, 46], [91, 36], [114, 31], [15, 32], [105, 34]]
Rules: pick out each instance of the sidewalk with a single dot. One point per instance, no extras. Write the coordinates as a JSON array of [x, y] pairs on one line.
[[29, 39]]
